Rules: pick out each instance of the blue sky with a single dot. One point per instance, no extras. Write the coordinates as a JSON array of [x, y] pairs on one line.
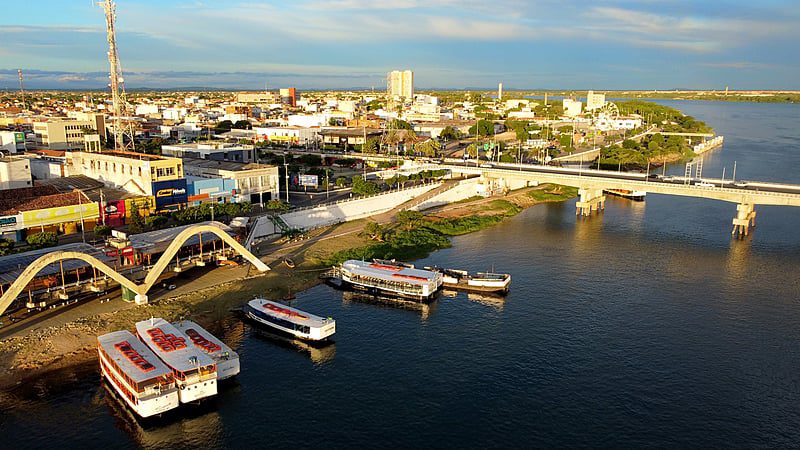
[[550, 44]]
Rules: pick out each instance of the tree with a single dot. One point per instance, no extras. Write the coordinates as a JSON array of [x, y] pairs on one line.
[[6, 247], [243, 125], [429, 148], [371, 146], [102, 231], [449, 133], [374, 231], [42, 240], [409, 220], [223, 126], [629, 144], [485, 128], [398, 124], [363, 187], [136, 223], [276, 206]]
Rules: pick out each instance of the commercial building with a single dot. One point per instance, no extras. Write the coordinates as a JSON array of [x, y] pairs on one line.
[[45, 208], [258, 98], [15, 172], [215, 151], [595, 101], [136, 173], [210, 190], [401, 84], [347, 137], [67, 133], [572, 108], [12, 141], [292, 135], [254, 183], [289, 96]]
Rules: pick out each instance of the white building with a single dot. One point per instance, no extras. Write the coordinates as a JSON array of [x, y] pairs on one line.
[[308, 120], [255, 183], [401, 84], [572, 108], [15, 172], [146, 110], [607, 123], [216, 151], [12, 141], [174, 113], [595, 101]]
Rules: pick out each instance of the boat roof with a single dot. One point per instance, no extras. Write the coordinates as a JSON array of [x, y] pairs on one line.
[[108, 342], [390, 272], [179, 359], [184, 325], [298, 316]]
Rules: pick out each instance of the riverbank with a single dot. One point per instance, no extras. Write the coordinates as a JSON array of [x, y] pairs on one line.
[[212, 294]]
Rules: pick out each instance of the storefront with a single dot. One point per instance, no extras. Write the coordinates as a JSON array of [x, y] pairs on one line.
[[170, 195]]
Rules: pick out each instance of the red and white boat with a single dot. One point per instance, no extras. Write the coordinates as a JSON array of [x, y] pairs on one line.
[[290, 320], [142, 380], [227, 360], [391, 278], [195, 372]]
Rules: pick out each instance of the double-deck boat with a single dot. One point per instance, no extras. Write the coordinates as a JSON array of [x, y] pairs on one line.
[[390, 278], [195, 372], [226, 359], [636, 196], [290, 320], [143, 382], [497, 283]]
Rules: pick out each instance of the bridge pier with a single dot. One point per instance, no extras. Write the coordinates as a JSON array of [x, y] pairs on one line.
[[590, 200], [744, 220], [141, 299]]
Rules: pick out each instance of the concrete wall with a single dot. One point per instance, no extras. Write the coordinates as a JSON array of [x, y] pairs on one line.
[[465, 189], [353, 209]]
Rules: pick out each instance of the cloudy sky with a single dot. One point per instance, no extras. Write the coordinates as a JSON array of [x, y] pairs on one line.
[[550, 44]]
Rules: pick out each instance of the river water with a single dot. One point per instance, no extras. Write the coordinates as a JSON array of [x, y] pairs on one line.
[[645, 326]]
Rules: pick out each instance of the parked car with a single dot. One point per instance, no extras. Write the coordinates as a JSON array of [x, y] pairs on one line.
[[703, 184]]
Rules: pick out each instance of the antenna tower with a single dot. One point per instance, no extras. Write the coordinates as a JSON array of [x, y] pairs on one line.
[[117, 82], [21, 88]]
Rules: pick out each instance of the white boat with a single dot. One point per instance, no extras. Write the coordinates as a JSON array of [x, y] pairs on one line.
[[195, 372], [290, 320], [498, 283], [626, 193], [227, 360], [142, 380], [390, 278]]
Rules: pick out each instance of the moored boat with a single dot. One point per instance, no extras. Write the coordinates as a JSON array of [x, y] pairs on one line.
[[625, 193], [390, 278], [290, 320], [195, 372], [227, 360], [497, 283], [142, 380]]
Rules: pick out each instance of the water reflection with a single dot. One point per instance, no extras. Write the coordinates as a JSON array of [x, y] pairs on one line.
[[189, 425], [319, 353], [425, 309]]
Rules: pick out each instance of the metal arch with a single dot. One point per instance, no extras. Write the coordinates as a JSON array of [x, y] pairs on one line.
[[37, 266], [34, 268], [185, 235]]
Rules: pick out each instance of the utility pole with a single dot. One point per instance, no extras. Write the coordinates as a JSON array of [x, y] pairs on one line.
[[286, 167]]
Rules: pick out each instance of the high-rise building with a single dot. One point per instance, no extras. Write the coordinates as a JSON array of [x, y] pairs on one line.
[[595, 101], [401, 84], [289, 96], [500, 91], [571, 107]]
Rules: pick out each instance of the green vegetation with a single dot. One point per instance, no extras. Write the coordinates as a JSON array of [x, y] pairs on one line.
[[6, 247], [553, 194], [399, 244], [102, 231], [203, 212], [277, 206], [136, 223], [485, 128], [42, 240], [363, 187]]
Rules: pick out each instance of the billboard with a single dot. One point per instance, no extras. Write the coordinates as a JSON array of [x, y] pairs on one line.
[[10, 222], [170, 195], [309, 180], [19, 138], [59, 215]]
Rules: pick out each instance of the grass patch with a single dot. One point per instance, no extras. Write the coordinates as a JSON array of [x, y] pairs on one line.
[[402, 245], [554, 193]]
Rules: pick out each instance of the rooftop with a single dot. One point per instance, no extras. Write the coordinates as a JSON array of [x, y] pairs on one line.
[[11, 266], [154, 242], [108, 342], [222, 165], [14, 201]]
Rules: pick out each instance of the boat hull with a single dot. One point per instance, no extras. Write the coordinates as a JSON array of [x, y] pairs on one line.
[[143, 408], [375, 290], [325, 334]]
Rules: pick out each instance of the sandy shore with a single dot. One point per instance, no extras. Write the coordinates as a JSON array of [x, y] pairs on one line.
[[68, 338]]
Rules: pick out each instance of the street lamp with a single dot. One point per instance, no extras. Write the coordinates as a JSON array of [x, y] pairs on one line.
[[286, 168], [212, 212]]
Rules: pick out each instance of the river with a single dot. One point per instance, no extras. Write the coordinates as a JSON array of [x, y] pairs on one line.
[[648, 325]]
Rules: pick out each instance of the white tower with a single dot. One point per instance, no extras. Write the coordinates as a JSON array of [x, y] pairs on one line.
[[117, 82], [500, 92]]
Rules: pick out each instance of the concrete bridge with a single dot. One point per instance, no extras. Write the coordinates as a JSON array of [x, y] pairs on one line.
[[592, 184]]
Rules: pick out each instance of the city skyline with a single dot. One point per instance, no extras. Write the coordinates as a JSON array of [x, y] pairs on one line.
[[448, 44]]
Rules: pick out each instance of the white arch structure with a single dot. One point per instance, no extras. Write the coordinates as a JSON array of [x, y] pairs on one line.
[[141, 290]]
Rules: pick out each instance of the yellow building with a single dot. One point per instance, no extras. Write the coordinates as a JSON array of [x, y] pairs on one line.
[[133, 172]]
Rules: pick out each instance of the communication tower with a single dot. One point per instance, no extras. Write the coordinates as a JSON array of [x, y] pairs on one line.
[[117, 82], [21, 88]]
